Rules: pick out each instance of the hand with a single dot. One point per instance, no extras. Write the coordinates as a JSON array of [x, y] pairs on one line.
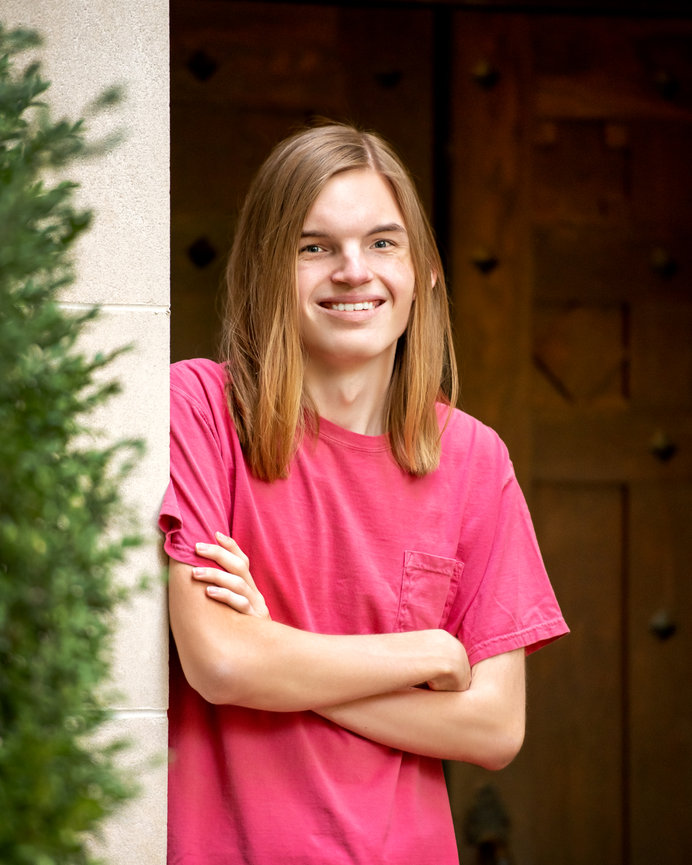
[[458, 675], [232, 583]]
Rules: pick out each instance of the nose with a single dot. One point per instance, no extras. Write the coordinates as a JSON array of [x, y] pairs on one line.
[[352, 269]]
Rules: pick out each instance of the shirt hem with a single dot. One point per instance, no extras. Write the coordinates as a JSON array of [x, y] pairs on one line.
[[531, 639]]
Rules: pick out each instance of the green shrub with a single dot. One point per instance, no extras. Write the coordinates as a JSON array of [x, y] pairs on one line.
[[61, 520]]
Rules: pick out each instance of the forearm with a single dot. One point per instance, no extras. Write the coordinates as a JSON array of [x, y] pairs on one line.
[[231, 658], [266, 665], [483, 725]]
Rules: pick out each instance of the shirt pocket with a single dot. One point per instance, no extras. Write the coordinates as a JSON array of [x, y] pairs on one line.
[[428, 587]]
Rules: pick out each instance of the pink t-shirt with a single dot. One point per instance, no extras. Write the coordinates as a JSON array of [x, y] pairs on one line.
[[347, 544]]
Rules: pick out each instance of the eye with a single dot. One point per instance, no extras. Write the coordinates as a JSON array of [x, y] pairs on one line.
[[382, 244], [311, 248]]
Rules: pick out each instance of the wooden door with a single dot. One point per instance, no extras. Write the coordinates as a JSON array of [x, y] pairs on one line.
[[572, 272], [569, 244]]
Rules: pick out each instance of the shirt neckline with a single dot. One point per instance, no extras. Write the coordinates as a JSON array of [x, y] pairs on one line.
[[332, 432]]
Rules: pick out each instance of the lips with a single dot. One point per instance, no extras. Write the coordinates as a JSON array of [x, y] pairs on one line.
[[350, 306]]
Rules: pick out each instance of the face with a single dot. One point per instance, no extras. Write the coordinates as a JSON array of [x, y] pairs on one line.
[[355, 275]]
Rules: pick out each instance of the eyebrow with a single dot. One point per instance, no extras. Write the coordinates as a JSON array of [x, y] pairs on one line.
[[389, 228]]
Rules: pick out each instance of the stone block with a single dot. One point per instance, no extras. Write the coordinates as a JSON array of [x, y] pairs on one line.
[[136, 835], [89, 47]]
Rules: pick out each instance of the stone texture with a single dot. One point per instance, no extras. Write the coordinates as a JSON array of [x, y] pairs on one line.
[[137, 834], [88, 47]]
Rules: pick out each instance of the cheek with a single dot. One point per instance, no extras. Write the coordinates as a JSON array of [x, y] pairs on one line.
[[404, 315], [308, 277], [404, 278]]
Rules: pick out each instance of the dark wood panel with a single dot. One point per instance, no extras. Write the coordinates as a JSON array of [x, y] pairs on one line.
[[661, 179], [613, 446], [660, 619], [580, 356], [614, 264], [575, 729], [661, 354], [608, 105], [490, 250], [653, 8], [613, 367], [581, 174], [611, 68]]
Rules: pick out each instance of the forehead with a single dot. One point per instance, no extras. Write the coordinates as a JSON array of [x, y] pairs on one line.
[[360, 198]]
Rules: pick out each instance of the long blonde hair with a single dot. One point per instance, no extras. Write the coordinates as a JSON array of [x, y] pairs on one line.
[[261, 342]]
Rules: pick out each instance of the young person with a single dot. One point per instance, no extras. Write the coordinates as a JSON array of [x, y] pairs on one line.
[[354, 578]]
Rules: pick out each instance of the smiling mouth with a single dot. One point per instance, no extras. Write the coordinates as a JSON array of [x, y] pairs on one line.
[[351, 307]]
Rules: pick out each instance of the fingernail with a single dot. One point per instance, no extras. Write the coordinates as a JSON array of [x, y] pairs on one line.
[[201, 548], [197, 572]]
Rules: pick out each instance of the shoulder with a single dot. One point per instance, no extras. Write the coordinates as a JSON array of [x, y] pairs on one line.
[[199, 372], [200, 381], [198, 397], [467, 437], [475, 454]]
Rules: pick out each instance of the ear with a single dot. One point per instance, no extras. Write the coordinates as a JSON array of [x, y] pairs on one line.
[[433, 280]]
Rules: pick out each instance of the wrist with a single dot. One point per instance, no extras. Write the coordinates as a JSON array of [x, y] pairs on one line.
[[450, 670]]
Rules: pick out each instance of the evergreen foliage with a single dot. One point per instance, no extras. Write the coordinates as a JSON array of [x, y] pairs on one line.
[[61, 529]]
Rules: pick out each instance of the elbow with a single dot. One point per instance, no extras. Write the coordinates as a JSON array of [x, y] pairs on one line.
[[215, 692], [501, 748], [213, 685], [494, 743], [500, 757], [221, 684]]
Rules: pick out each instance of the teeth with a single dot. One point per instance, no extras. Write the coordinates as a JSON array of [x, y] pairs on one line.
[[353, 307]]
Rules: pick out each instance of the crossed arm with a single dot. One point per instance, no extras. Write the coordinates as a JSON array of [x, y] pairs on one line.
[[233, 653]]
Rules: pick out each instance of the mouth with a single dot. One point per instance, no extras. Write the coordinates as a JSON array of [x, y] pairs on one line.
[[358, 306]]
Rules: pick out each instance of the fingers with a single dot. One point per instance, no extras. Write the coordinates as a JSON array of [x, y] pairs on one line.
[[227, 559], [228, 555], [229, 589], [222, 579], [229, 544], [231, 599], [231, 583]]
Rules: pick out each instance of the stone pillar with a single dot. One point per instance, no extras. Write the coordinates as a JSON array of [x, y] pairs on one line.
[[123, 265]]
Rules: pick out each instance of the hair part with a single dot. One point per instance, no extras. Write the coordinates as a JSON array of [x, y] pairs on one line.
[[261, 343]]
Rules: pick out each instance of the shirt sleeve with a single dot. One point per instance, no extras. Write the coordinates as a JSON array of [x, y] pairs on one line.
[[505, 601], [197, 502]]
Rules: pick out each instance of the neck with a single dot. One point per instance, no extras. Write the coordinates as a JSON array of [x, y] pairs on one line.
[[352, 399]]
